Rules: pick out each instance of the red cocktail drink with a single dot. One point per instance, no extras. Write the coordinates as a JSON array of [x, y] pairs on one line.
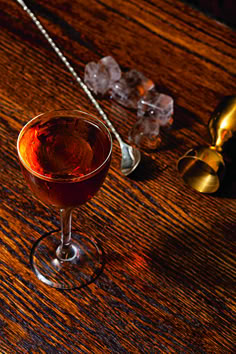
[[65, 156]]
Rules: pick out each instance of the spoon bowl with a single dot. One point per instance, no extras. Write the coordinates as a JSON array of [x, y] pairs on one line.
[[130, 158]]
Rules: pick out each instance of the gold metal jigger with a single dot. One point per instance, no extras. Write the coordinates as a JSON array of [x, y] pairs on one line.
[[203, 168]]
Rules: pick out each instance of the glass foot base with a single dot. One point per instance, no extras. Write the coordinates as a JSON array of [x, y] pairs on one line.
[[76, 272]]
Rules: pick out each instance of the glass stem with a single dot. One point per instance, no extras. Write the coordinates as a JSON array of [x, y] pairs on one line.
[[65, 251]]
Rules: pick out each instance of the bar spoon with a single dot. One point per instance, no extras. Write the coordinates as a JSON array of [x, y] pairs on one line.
[[130, 156]]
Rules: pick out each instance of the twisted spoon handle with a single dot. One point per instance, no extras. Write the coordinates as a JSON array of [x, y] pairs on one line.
[[70, 68]]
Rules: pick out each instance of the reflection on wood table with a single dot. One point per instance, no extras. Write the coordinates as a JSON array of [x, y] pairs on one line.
[[168, 281]]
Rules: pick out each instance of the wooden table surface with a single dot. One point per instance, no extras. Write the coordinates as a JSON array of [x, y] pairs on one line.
[[168, 281]]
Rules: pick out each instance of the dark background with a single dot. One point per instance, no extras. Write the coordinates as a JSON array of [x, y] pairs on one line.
[[223, 10]]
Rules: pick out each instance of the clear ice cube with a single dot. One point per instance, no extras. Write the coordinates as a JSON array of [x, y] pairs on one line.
[[156, 105], [155, 110], [145, 133], [99, 77], [112, 67], [130, 88]]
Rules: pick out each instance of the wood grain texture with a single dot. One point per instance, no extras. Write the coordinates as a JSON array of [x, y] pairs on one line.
[[168, 285]]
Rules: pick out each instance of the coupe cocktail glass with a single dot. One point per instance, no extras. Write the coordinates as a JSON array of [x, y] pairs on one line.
[[65, 156]]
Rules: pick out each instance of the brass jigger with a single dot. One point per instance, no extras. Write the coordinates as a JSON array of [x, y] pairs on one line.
[[203, 168]]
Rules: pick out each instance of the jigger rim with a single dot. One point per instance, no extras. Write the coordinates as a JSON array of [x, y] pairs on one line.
[[199, 174]]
